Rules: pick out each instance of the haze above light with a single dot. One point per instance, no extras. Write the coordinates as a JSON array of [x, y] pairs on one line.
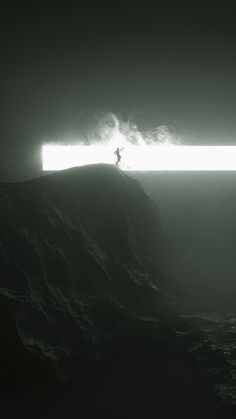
[[142, 157], [157, 65]]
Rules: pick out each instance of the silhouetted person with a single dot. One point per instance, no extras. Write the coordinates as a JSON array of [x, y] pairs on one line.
[[117, 152]]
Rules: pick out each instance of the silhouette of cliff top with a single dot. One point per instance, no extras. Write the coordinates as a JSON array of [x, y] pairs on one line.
[[100, 195], [91, 174]]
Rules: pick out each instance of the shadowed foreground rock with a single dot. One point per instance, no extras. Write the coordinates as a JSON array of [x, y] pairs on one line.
[[84, 314]]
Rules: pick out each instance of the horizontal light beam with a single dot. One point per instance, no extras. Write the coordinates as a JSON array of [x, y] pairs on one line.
[[142, 158]]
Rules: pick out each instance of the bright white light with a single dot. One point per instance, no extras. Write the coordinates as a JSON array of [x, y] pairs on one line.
[[149, 157]]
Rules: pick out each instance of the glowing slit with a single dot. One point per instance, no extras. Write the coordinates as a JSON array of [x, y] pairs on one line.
[[142, 158]]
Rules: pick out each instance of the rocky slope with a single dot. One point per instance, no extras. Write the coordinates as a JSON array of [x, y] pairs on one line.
[[82, 294], [78, 259]]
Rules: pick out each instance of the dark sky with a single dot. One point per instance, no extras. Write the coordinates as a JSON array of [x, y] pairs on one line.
[[62, 67]]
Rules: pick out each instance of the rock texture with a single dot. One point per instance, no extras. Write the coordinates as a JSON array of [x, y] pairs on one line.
[[79, 257], [83, 294]]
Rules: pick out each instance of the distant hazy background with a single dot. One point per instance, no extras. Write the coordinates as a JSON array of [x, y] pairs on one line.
[[63, 67], [198, 211]]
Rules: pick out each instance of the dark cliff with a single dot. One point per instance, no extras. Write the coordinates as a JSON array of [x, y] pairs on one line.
[[80, 257], [84, 308]]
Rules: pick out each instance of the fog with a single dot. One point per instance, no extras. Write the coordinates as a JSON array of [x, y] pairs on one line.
[[198, 211]]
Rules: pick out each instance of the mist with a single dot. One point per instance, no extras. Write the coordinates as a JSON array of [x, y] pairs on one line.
[[198, 210]]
